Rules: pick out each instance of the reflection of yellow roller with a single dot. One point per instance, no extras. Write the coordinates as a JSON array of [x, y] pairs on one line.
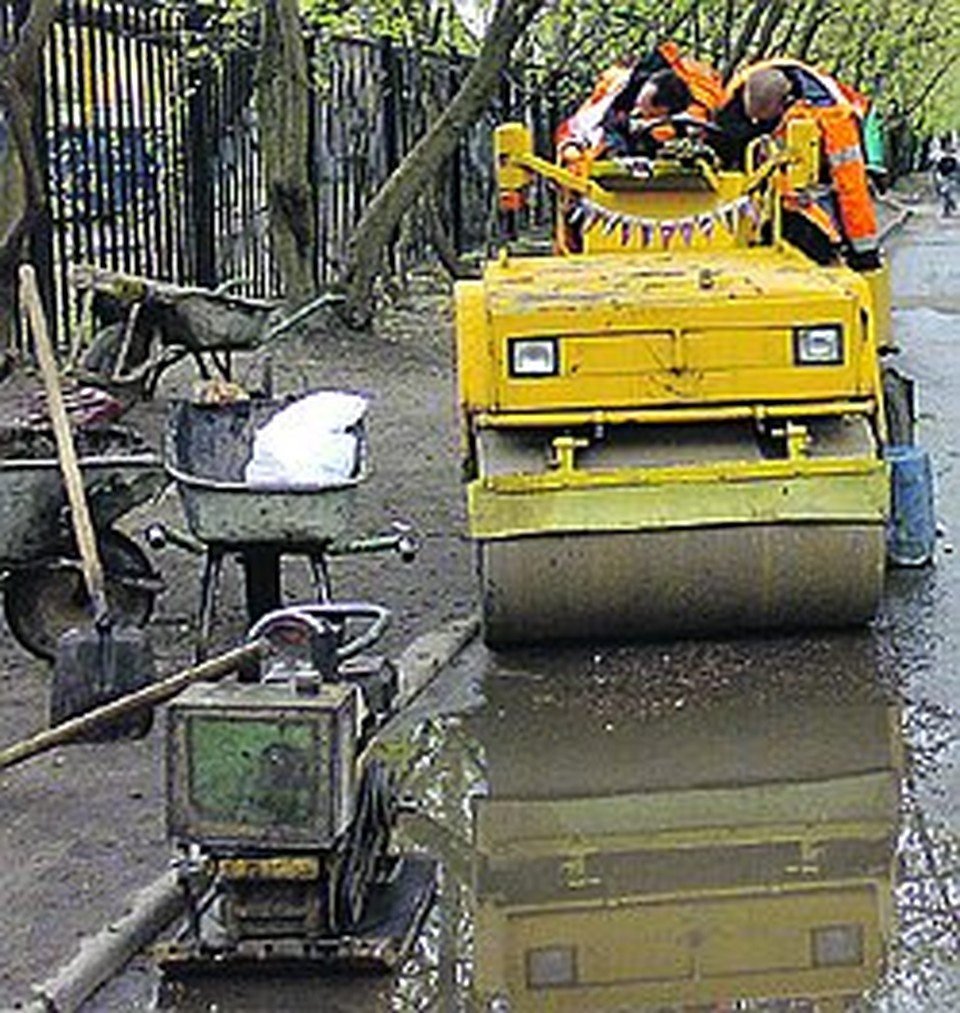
[[690, 857], [677, 428]]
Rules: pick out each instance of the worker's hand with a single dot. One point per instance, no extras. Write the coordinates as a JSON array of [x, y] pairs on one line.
[[569, 152]]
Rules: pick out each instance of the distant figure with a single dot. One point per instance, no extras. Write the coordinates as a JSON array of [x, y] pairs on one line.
[[946, 177], [764, 99]]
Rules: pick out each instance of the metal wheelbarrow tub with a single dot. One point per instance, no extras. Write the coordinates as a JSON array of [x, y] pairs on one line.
[[32, 499], [42, 583], [206, 450]]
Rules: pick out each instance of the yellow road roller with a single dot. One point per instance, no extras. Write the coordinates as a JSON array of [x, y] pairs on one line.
[[673, 422]]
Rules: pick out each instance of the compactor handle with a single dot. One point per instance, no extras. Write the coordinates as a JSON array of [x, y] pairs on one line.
[[310, 618]]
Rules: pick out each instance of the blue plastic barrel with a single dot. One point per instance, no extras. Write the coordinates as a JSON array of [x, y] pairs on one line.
[[912, 529]]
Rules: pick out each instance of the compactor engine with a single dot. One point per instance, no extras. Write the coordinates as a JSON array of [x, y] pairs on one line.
[[674, 423]]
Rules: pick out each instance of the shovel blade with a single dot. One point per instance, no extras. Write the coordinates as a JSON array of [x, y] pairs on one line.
[[94, 667]]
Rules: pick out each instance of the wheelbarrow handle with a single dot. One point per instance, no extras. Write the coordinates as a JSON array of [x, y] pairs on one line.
[[66, 451]]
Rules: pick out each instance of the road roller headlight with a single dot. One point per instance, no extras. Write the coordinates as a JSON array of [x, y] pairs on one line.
[[533, 357], [821, 345]]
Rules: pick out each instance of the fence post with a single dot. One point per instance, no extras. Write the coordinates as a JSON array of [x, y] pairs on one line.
[[391, 77], [199, 168], [456, 173]]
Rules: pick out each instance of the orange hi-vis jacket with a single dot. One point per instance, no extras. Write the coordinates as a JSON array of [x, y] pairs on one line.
[[838, 110], [704, 82], [585, 127]]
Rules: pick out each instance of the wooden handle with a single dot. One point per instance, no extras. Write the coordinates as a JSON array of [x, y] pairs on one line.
[[149, 696], [66, 451]]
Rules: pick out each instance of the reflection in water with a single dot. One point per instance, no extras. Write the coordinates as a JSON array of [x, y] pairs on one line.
[[669, 838], [705, 827]]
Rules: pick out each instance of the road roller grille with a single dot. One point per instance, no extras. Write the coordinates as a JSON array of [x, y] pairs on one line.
[[616, 333], [633, 500], [632, 477]]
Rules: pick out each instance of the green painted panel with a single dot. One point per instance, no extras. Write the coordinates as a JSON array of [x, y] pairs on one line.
[[253, 772]]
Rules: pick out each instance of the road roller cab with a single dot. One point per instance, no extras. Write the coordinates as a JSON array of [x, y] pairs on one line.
[[673, 423]]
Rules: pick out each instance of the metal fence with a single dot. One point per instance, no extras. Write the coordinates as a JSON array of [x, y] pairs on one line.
[[151, 144]]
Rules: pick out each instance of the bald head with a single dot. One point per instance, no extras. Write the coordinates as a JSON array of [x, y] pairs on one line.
[[765, 94]]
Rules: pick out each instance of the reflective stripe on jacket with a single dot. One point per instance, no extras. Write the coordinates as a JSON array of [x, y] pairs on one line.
[[840, 137]]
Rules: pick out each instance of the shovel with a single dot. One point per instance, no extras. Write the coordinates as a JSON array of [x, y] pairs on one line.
[[96, 665]]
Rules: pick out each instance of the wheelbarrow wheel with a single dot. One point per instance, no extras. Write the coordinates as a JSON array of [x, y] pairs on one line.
[[41, 602]]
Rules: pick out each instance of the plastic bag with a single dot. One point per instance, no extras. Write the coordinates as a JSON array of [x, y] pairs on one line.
[[313, 442]]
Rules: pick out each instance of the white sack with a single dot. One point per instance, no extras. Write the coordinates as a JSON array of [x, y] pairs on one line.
[[307, 443]]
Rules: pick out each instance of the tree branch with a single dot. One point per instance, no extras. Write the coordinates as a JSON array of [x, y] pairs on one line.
[[379, 219], [747, 32]]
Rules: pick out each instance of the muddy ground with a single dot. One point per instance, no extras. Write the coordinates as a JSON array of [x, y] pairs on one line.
[[82, 827]]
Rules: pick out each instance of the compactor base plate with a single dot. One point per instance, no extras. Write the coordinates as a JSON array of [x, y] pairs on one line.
[[379, 943]]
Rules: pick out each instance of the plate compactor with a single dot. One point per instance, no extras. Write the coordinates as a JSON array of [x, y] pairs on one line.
[[676, 421], [282, 815]]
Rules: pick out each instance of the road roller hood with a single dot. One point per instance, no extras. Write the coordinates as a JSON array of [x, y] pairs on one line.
[[607, 332]]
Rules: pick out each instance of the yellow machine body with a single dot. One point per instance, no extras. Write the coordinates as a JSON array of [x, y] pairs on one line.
[[678, 427]]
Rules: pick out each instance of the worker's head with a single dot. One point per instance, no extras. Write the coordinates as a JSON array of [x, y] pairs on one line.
[[664, 93], [765, 94]]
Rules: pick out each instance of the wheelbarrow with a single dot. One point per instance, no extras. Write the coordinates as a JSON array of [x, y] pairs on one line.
[[42, 581], [133, 328], [206, 448]]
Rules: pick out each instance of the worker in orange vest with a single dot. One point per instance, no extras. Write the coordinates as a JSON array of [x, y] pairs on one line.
[[660, 85], [764, 99]]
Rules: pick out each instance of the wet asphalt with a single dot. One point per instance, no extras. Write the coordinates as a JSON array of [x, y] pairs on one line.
[[774, 820]]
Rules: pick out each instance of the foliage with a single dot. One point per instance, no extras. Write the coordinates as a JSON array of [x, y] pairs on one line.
[[427, 25], [906, 56]]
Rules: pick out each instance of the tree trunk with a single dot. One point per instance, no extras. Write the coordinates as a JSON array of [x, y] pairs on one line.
[[365, 249], [21, 181], [440, 238], [283, 95]]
